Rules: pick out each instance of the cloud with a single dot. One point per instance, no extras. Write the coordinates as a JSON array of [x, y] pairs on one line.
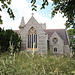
[[58, 22], [50, 1], [55, 23], [22, 8]]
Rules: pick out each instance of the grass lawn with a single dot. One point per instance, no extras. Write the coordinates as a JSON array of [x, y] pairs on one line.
[[28, 64]]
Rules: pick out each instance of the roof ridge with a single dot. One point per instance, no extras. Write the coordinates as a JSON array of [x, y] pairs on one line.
[[54, 29]]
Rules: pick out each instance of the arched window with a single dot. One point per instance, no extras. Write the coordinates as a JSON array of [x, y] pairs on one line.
[[55, 49], [32, 37]]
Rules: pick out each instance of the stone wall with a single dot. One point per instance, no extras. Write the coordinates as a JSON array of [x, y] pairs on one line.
[[59, 44], [43, 25], [66, 49], [41, 36]]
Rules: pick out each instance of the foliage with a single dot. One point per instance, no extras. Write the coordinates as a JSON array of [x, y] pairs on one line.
[[25, 64], [71, 33], [4, 5], [62, 6], [7, 37], [45, 3], [68, 8]]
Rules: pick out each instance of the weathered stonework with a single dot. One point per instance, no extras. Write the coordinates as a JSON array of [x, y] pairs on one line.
[[59, 44], [43, 38]]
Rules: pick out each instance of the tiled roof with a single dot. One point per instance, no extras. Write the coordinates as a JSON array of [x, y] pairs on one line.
[[61, 32]]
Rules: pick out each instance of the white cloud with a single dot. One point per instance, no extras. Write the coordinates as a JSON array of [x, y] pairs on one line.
[[58, 22], [55, 23], [21, 8], [50, 1]]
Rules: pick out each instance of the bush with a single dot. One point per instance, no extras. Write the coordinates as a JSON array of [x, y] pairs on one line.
[[7, 37]]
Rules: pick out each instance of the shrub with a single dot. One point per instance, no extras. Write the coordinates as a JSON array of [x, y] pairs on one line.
[[9, 36]]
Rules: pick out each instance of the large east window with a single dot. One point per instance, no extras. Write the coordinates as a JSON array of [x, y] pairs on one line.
[[32, 37]]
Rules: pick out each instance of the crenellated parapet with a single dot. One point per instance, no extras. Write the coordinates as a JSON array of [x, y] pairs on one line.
[[43, 25]]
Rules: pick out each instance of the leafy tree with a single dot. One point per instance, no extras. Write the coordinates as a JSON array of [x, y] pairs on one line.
[[7, 37], [68, 8], [71, 33], [4, 5], [14, 39], [62, 6], [2, 41]]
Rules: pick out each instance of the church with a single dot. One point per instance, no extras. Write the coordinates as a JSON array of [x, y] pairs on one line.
[[36, 35]]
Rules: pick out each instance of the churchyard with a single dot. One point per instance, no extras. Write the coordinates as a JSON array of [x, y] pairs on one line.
[[28, 63]]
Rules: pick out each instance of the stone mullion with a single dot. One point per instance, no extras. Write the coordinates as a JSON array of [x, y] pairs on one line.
[[35, 40], [34, 37], [30, 41]]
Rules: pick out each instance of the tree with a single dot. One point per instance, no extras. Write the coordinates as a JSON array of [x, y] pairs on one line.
[[71, 33], [14, 39], [62, 6], [7, 37], [4, 5], [2, 41]]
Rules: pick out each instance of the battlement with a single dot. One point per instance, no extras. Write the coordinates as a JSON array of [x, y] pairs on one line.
[[43, 25]]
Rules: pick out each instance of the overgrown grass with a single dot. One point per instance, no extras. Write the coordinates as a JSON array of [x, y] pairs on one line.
[[27, 64]]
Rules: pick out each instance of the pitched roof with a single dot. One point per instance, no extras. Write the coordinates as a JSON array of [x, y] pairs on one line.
[[32, 20], [61, 32]]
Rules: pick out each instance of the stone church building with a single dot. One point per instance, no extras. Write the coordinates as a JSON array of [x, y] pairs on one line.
[[44, 39]]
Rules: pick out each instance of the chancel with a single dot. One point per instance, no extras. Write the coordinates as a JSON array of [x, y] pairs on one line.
[[55, 40]]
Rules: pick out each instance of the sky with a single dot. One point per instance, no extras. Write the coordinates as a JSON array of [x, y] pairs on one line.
[[22, 8]]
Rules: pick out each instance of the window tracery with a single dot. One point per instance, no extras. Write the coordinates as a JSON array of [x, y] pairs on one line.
[[32, 37], [55, 40]]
